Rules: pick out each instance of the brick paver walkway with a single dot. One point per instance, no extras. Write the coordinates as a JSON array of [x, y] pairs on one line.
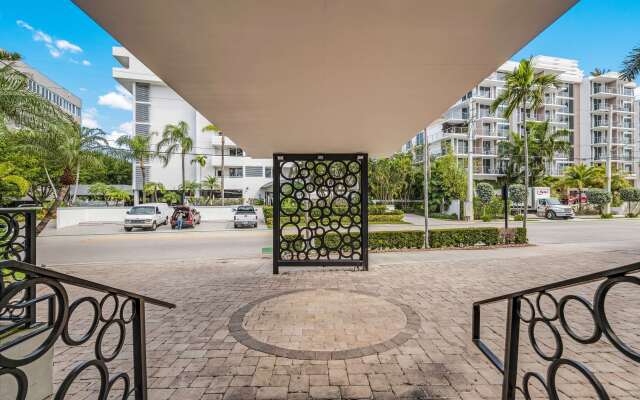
[[193, 355]]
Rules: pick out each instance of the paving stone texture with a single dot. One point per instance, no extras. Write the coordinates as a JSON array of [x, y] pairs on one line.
[[191, 353]]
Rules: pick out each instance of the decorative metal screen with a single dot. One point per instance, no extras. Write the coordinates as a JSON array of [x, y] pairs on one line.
[[320, 210]]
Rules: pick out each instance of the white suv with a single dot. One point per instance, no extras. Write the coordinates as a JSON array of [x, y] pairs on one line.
[[147, 216]]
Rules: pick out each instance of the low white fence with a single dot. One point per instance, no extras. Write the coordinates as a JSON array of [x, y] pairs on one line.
[[70, 216]]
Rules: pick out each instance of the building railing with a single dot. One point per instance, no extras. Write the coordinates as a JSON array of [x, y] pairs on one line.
[[556, 321], [35, 305], [492, 151], [486, 170]]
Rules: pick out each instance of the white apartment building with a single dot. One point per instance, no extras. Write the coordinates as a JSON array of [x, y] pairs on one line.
[[51, 91], [577, 105], [156, 105]]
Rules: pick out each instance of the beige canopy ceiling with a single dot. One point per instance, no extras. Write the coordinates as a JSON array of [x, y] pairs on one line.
[[323, 75]]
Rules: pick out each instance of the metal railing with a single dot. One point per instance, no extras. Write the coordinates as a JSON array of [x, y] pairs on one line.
[[508, 366], [35, 305]]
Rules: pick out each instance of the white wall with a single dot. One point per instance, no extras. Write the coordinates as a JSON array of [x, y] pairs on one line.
[[70, 216]]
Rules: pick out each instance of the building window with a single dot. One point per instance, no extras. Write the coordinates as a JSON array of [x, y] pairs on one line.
[[253, 172], [267, 172], [236, 152], [235, 172]]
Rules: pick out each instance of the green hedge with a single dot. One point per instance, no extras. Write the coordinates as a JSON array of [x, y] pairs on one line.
[[386, 219], [438, 238]]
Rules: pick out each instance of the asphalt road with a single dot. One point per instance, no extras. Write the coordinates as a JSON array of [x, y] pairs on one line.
[[97, 244]]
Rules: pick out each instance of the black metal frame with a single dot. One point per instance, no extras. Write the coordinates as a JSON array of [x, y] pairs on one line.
[[515, 301], [279, 160]]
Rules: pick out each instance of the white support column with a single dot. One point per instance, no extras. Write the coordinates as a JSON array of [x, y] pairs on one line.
[[468, 204], [609, 139]]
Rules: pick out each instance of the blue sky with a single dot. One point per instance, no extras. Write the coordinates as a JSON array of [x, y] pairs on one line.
[[63, 43]]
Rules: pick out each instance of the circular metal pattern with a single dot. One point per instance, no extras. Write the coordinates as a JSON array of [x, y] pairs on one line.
[[239, 332], [94, 323], [595, 335], [21, 381], [115, 307], [553, 371], [58, 324], [68, 381], [539, 298], [98, 348], [12, 237], [556, 336], [526, 379], [533, 311], [133, 311], [601, 314], [320, 194], [126, 381]]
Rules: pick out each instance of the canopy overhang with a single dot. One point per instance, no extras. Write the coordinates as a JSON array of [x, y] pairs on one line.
[[309, 76]]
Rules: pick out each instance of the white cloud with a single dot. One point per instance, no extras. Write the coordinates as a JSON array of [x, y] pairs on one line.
[[120, 99], [57, 48], [86, 63], [124, 129], [89, 118], [24, 25], [65, 45]]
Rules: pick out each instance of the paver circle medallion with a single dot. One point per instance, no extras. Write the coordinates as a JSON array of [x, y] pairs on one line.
[[323, 324]]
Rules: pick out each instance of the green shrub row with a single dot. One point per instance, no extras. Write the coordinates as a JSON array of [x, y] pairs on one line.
[[386, 219], [438, 238]]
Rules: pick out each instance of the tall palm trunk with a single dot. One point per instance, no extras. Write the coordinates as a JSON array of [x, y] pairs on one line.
[[143, 173], [183, 188], [53, 187], [526, 163], [75, 190], [51, 211], [222, 174]]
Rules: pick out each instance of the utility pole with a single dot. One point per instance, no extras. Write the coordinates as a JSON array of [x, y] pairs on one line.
[[425, 164], [468, 204], [222, 168], [609, 139]]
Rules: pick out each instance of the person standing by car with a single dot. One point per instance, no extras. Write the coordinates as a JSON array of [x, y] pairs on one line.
[[179, 221]]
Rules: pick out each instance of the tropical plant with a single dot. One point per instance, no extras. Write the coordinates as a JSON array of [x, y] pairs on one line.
[[12, 185], [92, 141], [175, 140], [630, 195], [599, 197], [137, 149], [62, 148], [153, 188], [517, 193], [21, 106], [631, 65], [189, 187], [448, 179], [210, 184], [101, 190], [171, 198], [582, 176], [485, 194], [598, 71], [217, 131], [201, 160], [546, 144], [118, 195], [524, 86]]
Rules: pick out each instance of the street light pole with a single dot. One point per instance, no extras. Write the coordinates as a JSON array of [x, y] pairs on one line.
[[425, 164], [468, 205], [609, 139]]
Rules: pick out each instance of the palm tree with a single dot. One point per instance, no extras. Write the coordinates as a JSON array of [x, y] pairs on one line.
[[598, 71], [61, 147], [524, 86], [210, 183], [153, 188], [175, 140], [213, 128], [582, 176], [12, 185], [137, 149], [546, 143], [201, 160], [21, 106], [631, 65], [91, 141]]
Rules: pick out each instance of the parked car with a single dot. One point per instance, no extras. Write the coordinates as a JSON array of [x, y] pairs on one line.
[[190, 217], [245, 216], [147, 216], [551, 208]]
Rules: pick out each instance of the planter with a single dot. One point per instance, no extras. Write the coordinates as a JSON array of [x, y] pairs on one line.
[[39, 373]]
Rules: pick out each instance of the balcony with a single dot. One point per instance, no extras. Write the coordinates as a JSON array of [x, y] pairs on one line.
[[483, 170], [484, 151], [456, 131]]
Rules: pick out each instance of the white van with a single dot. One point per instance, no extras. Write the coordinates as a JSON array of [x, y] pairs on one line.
[[147, 216]]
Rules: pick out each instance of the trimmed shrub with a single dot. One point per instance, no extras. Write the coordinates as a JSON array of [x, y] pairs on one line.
[[517, 193], [396, 240], [630, 195], [606, 216], [386, 219], [599, 197], [485, 192], [463, 237]]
